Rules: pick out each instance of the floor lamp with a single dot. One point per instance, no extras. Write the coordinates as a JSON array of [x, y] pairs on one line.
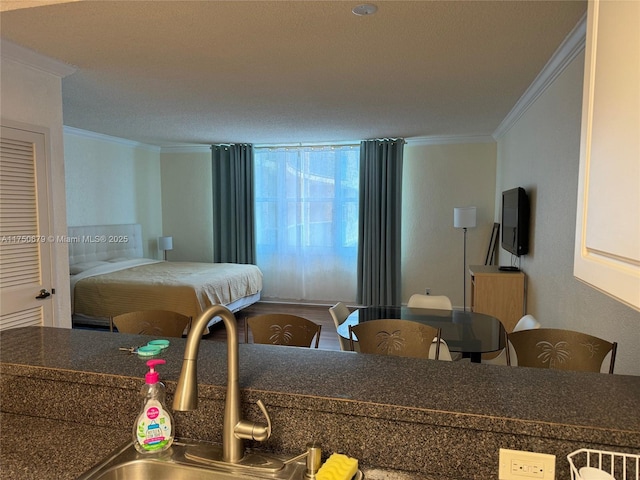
[[464, 217]]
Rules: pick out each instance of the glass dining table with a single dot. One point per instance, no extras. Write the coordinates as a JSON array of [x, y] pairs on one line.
[[469, 333]]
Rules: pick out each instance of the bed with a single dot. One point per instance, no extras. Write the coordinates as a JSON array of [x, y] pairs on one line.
[[110, 276]]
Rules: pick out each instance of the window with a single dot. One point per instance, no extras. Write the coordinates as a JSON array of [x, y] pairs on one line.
[[307, 221]]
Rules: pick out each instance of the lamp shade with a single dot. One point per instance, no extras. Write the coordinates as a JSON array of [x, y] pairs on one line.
[[464, 217], [165, 243]]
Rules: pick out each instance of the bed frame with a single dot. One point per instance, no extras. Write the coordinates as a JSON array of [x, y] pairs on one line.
[[103, 242]]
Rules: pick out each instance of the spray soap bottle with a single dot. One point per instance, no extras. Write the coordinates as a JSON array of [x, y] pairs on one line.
[[153, 430]]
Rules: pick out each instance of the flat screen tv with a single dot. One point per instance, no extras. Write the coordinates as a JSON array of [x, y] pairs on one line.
[[515, 221]]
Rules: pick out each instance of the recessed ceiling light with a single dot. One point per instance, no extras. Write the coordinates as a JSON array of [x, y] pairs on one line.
[[364, 9]]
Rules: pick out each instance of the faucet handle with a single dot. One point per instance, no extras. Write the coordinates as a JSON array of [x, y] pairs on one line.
[[252, 430], [264, 430]]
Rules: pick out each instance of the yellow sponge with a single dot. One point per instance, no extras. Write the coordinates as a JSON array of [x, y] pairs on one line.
[[338, 467]]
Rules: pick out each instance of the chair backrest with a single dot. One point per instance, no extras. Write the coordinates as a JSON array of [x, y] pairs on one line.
[[162, 323], [440, 302], [528, 322], [339, 313], [559, 349], [283, 329], [402, 338]]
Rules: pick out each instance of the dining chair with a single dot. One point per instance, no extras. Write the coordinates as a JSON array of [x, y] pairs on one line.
[[402, 338], [282, 329], [339, 313], [444, 354], [559, 349], [527, 322], [440, 302], [162, 323]]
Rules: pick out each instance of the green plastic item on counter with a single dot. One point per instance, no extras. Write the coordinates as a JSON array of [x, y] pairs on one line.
[[149, 351], [162, 343]]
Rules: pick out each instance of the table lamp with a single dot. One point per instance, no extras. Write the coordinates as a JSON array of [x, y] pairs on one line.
[[164, 244]]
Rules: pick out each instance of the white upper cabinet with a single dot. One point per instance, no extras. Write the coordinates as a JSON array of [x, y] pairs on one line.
[[607, 253]]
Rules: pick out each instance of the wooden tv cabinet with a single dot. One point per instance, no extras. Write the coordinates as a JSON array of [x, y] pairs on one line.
[[500, 294]]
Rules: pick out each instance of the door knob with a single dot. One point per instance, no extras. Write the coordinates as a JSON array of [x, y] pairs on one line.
[[43, 294]]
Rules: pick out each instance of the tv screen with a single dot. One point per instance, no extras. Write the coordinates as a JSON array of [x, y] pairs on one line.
[[515, 221]]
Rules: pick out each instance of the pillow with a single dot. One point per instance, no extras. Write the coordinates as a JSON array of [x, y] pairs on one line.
[[77, 268], [118, 259]]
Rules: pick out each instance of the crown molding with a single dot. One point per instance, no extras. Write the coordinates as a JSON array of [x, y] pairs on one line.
[[30, 58], [449, 139], [563, 56], [107, 138], [327, 143], [186, 149]]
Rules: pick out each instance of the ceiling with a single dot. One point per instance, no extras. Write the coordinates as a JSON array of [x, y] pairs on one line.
[[268, 72]]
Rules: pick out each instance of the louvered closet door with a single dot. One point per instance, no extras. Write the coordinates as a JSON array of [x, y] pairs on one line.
[[25, 246]]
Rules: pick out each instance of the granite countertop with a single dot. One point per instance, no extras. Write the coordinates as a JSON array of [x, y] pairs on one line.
[[580, 400], [42, 448], [31, 453], [448, 396]]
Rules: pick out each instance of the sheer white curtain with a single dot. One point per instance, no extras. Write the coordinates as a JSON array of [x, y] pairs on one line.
[[307, 222]]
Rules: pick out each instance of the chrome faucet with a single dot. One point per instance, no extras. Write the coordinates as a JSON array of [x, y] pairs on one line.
[[234, 429]]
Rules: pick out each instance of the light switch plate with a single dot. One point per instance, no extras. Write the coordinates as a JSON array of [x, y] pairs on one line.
[[521, 465]]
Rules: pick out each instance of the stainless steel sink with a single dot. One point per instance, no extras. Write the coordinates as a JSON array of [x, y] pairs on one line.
[[142, 469], [190, 460]]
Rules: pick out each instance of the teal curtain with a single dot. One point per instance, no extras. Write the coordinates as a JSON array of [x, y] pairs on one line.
[[233, 204], [379, 234]]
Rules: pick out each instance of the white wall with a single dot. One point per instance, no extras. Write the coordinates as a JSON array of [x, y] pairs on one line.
[[541, 153], [187, 203], [110, 181], [437, 178], [33, 96]]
